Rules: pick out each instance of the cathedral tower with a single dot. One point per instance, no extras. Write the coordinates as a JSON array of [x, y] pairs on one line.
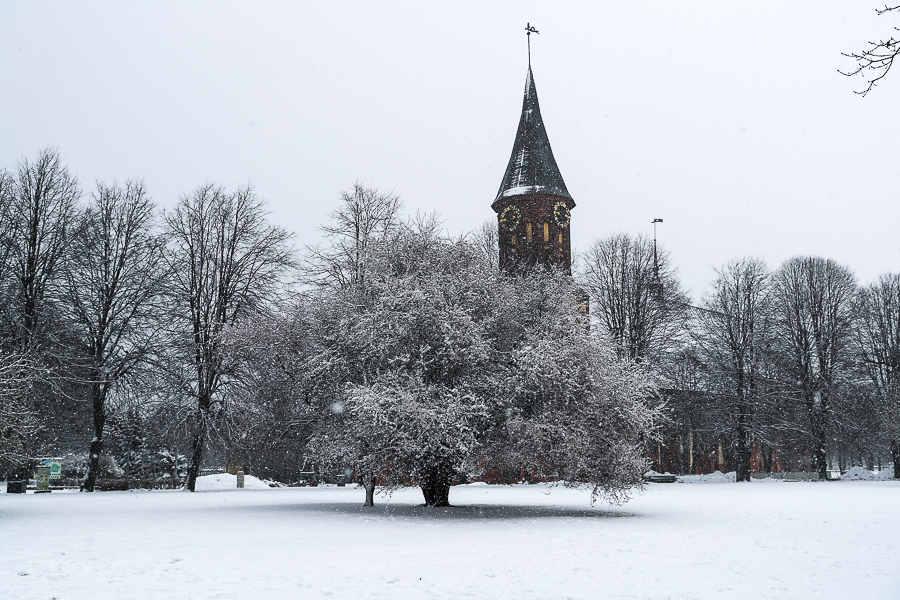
[[533, 205]]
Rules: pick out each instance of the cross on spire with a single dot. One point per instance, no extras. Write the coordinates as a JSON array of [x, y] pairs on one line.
[[529, 29]]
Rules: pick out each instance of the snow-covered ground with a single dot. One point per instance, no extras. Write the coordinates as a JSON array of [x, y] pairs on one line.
[[755, 540]]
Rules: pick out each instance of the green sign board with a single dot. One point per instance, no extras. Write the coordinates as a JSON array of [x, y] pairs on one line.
[[55, 469]]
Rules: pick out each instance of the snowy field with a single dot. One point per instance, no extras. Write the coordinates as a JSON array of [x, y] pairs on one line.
[[769, 539]]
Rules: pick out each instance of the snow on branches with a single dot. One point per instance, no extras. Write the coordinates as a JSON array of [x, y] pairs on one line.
[[18, 423], [434, 366]]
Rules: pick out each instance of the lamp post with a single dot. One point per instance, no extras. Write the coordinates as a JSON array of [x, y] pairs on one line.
[[656, 285]]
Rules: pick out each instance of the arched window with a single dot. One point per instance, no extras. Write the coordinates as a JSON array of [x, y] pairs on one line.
[[546, 232]]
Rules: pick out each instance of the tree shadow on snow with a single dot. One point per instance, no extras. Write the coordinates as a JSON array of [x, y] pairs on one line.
[[465, 512]]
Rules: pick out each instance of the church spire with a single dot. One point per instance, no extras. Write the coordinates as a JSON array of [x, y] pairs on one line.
[[533, 204], [532, 168]]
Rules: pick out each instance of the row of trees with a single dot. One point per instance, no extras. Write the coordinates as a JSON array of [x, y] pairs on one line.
[[108, 305], [797, 360], [403, 354]]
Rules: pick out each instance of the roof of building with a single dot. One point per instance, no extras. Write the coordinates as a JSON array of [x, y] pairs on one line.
[[532, 168]]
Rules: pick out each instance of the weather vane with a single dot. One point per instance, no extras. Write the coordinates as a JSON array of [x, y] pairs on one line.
[[530, 30]]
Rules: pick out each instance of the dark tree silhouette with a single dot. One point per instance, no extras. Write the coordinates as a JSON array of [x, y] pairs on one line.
[[635, 297], [112, 286], [876, 61], [813, 317], [878, 337], [39, 210], [732, 333]]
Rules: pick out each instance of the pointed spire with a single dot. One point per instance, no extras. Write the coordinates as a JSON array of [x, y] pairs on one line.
[[532, 168]]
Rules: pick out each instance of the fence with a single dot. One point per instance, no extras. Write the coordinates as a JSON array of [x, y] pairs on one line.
[[796, 476]]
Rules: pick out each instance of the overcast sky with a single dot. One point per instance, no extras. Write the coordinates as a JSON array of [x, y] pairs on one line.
[[728, 120]]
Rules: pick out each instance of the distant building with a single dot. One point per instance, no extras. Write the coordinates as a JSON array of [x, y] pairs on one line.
[[533, 205]]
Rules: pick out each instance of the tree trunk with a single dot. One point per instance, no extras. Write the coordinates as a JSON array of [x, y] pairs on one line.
[[820, 450], [369, 484], [692, 459], [99, 414], [742, 448], [193, 470], [720, 457], [742, 457], [90, 480], [436, 486], [895, 454], [766, 451]]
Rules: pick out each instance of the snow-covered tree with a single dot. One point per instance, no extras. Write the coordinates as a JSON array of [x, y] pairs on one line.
[[412, 349], [274, 402], [573, 410], [38, 212], [18, 423], [401, 432], [434, 365]]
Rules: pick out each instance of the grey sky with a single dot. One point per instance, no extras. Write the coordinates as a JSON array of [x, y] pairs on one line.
[[728, 120]]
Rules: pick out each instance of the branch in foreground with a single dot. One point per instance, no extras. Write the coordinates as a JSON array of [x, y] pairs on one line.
[[876, 61]]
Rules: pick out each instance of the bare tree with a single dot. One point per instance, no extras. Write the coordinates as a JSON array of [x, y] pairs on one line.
[[42, 206], [226, 261], [486, 243], [7, 187], [874, 62], [364, 216], [813, 318], [733, 332], [636, 299], [878, 338], [112, 288]]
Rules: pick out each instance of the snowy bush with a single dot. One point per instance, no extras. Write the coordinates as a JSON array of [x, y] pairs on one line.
[[76, 466]]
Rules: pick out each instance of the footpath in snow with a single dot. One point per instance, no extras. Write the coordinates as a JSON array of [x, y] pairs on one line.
[[834, 540]]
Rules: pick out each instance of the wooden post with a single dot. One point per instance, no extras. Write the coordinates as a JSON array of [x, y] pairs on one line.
[[690, 451], [721, 458]]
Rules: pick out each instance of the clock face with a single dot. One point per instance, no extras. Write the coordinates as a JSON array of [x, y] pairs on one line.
[[561, 215], [510, 218]]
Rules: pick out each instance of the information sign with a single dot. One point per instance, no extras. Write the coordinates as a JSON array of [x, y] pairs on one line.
[[42, 479], [55, 469]]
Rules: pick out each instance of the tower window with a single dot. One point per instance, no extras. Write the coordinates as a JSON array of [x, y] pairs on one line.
[[513, 240], [528, 232], [560, 237], [546, 232]]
